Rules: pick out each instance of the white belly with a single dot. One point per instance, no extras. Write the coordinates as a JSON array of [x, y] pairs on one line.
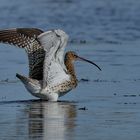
[[50, 93]]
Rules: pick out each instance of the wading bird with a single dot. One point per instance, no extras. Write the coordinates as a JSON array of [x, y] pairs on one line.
[[51, 75]]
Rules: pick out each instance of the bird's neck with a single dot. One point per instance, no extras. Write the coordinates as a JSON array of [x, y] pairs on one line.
[[70, 68]]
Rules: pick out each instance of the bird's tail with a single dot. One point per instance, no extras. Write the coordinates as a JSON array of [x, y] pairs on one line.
[[31, 85], [24, 79]]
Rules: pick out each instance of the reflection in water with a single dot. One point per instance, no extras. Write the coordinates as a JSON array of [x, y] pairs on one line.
[[51, 120]]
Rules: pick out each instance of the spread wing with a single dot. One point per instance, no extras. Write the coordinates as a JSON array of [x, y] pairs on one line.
[[54, 70], [27, 38]]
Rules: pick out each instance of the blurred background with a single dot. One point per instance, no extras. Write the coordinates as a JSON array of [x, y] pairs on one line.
[[99, 21]]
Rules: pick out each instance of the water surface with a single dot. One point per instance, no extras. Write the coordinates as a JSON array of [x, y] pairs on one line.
[[105, 105]]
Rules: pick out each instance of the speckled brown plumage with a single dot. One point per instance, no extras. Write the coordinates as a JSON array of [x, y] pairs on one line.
[[26, 38], [69, 58]]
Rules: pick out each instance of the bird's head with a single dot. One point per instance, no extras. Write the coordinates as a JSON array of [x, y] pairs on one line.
[[72, 56]]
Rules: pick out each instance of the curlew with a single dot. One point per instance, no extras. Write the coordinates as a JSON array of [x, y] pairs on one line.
[[51, 75]]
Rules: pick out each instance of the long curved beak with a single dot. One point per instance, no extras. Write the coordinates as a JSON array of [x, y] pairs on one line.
[[83, 59]]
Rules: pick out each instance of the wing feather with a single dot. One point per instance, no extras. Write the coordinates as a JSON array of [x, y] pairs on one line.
[[54, 43], [27, 38]]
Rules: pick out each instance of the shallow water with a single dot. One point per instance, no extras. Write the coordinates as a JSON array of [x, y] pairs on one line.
[[106, 103]]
